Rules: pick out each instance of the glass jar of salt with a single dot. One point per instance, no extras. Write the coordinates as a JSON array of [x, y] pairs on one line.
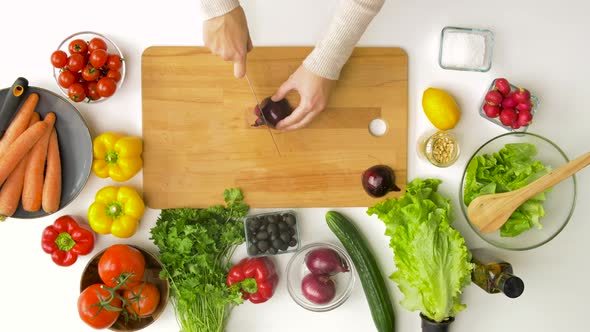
[[466, 49]]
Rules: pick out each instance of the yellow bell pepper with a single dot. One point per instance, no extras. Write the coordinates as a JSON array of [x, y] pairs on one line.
[[116, 211], [116, 156]]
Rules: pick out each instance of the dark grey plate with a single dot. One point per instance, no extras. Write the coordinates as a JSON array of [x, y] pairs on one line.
[[75, 146]]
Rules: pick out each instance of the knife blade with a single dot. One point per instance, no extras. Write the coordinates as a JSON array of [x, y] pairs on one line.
[[262, 114]]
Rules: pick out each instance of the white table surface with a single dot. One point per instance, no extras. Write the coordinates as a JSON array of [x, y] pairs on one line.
[[541, 45]]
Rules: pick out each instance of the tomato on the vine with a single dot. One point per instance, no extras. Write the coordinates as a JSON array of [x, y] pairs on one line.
[[78, 46], [66, 78], [92, 93], [90, 74], [114, 74], [142, 299], [121, 259], [96, 44], [106, 87], [76, 62], [98, 58], [76, 92], [115, 62], [90, 310], [59, 59]]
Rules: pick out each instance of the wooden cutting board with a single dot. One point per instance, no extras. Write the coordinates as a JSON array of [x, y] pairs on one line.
[[198, 138]]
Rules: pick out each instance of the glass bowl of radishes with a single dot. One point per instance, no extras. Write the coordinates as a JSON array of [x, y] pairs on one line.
[[509, 106]]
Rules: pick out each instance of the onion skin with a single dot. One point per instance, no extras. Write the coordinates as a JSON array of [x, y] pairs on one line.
[[319, 289], [325, 261]]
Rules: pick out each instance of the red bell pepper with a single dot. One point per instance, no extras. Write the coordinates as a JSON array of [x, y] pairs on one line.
[[256, 277], [65, 240]]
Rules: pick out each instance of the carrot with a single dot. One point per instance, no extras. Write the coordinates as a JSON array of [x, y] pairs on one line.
[[17, 150], [52, 185], [19, 123], [35, 169], [13, 187]]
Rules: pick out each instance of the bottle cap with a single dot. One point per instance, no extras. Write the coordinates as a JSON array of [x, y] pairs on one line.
[[513, 287]]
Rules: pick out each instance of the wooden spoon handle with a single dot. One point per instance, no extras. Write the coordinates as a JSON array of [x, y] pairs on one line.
[[554, 177]]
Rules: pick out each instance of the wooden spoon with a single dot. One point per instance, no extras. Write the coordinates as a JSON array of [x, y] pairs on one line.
[[490, 212]]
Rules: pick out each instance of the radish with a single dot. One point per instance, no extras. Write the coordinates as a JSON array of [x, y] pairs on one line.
[[526, 106], [503, 86], [522, 95], [491, 111], [493, 98], [509, 102], [508, 116], [524, 118]]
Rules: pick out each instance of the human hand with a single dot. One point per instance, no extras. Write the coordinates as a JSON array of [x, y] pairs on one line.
[[314, 91], [228, 36]]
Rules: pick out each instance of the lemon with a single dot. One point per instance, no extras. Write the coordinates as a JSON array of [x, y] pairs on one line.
[[440, 108]]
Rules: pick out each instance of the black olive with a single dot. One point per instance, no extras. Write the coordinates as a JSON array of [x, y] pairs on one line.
[[277, 243], [263, 245], [291, 231], [262, 235], [283, 225], [290, 220], [271, 219], [274, 236], [273, 228], [254, 222], [272, 250], [254, 240], [284, 246], [292, 243], [285, 236], [252, 250]]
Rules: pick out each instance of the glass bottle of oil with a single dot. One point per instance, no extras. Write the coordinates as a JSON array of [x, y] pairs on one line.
[[494, 275]]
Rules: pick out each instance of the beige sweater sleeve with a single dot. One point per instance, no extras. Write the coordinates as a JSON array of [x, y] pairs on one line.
[[331, 53], [348, 25], [214, 8]]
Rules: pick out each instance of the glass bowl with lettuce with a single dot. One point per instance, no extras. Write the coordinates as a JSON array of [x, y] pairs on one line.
[[509, 162]]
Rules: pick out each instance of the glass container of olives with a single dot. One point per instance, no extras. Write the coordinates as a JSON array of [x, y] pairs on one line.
[[272, 233]]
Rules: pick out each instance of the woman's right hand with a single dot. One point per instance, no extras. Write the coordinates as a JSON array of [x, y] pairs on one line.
[[228, 36]]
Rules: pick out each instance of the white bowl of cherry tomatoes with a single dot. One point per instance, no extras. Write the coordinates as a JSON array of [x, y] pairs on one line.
[[88, 66]]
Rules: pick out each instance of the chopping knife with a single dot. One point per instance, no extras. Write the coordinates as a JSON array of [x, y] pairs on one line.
[[262, 114], [11, 102]]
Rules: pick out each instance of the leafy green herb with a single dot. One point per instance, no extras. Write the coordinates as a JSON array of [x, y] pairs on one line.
[[196, 246], [509, 169], [433, 263]]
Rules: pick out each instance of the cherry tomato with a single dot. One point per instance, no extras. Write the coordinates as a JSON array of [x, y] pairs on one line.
[[66, 78], [121, 258], [92, 93], [142, 299], [106, 87], [115, 62], [59, 59], [76, 92], [92, 313], [90, 74], [98, 58], [96, 44], [76, 62], [114, 74], [78, 46]]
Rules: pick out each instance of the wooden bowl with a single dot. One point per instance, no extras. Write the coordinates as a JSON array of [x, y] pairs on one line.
[[153, 266]]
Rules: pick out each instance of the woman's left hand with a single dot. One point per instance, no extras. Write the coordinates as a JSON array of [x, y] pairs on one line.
[[314, 91]]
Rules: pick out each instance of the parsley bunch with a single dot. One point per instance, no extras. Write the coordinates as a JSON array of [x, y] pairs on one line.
[[196, 246]]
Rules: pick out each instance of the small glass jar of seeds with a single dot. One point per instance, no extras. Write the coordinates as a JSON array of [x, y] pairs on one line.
[[441, 148]]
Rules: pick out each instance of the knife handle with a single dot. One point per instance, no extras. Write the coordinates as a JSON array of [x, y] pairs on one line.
[[11, 102]]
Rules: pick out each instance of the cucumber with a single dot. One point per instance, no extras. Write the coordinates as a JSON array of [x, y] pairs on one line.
[[367, 268]]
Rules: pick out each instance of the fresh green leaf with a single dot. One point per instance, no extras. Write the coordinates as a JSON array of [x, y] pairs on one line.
[[195, 247], [511, 168], [433, 263]]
